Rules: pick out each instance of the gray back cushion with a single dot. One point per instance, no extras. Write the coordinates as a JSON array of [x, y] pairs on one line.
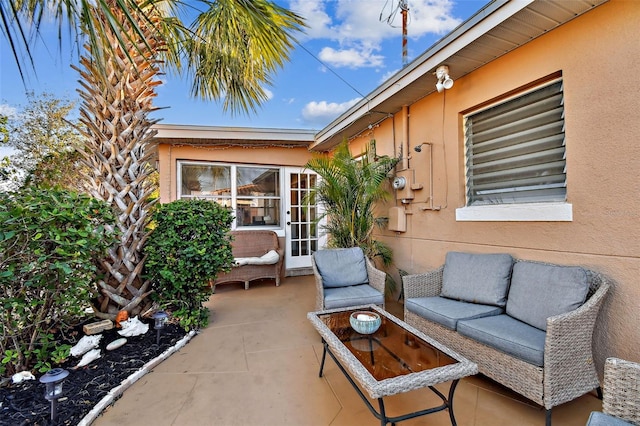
[[477, 278], [341, 267], [539, 291]]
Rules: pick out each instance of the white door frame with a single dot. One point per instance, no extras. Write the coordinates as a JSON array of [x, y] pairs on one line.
[[303, 235]]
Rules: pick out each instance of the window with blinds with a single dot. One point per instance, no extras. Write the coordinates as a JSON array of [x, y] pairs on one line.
[[515, 151]]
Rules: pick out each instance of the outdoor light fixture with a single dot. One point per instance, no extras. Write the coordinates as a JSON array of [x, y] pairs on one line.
[[160, 319], [53, 380], [444, 81], [418, 148]]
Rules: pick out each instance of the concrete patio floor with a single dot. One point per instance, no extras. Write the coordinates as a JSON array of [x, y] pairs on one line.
[[257, 364]]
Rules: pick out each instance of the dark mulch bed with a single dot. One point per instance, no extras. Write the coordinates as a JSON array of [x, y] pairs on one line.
[[24, 403]]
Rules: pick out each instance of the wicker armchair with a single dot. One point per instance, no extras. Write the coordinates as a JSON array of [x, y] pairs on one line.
[[371, 293], [252, 244], [568, 371], [621, 395]]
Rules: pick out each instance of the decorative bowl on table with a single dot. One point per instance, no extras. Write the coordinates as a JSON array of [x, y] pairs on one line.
[[365, 322]]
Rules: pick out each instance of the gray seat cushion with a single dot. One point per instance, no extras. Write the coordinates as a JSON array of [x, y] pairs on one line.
[[341, 297], [600, 419], [539, 291], [477, 278], [447, 312], [341, 267], [507, 335]]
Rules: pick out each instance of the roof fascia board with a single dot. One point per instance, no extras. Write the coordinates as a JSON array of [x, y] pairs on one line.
[[171, 131], [480, 23]]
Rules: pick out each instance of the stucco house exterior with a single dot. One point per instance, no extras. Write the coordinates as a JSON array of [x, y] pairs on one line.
[[533, 151]]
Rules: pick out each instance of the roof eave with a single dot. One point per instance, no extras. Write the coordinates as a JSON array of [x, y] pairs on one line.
[[174, 134], [391, 96]]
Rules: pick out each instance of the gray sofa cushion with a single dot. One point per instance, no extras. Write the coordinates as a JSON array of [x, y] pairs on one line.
[[507, 335], [448, 312], [539, 291], [477, 278], [341, 267], [597, 418], [341, 297]]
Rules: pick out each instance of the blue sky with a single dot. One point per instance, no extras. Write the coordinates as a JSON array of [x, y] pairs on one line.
[[351, 38]]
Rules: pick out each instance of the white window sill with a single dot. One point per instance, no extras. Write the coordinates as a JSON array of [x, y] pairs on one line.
[[535, 212]]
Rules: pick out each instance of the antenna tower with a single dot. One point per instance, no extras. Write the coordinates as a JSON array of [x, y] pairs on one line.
[[404, 10], [403, 6]]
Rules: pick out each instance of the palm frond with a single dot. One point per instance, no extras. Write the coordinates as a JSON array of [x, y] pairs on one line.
[[349, 189]]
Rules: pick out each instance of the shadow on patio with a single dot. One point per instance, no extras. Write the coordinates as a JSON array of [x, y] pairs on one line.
[[257, 364]]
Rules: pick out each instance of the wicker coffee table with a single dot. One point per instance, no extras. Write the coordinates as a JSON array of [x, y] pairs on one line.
[[395, 359]]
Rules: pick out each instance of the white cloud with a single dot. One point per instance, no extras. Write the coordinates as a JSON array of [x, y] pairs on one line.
[[8, 111], [268, 93], [323, 112], [315, 16], [365, 22], [359, 26], [352, 58]]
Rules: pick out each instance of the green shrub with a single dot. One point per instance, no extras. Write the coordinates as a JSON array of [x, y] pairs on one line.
[[189, 245], [50, 241]]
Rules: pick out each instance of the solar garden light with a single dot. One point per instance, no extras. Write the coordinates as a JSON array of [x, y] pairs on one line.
[[160, 319], [53, 380]]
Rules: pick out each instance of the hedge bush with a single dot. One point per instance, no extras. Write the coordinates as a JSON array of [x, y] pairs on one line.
[[189, 246], [50, 241]]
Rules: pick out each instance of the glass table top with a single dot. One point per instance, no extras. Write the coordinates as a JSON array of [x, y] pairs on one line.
[[390, 352]]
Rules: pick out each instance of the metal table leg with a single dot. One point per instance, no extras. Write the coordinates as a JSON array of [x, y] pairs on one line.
[[447, 402]]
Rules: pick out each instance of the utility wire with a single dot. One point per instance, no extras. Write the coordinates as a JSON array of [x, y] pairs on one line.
[[393, 12], [330, 69]]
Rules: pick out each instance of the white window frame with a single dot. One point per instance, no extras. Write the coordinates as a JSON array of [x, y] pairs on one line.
[[538, 211], [279, 228]]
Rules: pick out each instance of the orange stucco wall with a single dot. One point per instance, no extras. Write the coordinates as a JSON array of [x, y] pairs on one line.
[[598, 56], [169, 155]]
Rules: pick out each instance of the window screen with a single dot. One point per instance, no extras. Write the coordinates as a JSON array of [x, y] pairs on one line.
[[515, 151]]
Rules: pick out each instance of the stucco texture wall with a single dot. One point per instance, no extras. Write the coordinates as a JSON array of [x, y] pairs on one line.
[[598, 56]]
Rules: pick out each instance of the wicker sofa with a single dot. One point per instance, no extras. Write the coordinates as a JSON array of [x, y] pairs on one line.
[[249, 245], [621, 402], [528, 325]]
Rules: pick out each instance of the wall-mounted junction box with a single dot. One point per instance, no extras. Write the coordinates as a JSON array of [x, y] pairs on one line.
[[397, 219]]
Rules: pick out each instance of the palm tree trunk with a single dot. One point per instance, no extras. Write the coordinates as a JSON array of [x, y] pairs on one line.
[[116, 103]]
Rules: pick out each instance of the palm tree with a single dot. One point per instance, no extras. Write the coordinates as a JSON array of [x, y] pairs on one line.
[[229, 52], [349, 189]]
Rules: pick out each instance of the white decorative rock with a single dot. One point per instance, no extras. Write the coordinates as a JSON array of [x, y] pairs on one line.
[[116, 344], [89, 357], [85, 344], [133, 327], [22, 376]]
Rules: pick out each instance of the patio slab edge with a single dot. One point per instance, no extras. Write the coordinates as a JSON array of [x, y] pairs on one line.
[[126, 383]]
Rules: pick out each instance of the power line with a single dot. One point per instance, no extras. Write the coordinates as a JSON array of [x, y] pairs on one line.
[[332, 71]]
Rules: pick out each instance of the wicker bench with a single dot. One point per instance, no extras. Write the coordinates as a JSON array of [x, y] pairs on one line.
[[563, 368], [252, 244]]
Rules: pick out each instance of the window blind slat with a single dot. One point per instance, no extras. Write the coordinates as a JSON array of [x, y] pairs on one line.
[[535, 145], [490, 129], [533, 196], [537, 160], [540, 181], [519, 132], [550, 95]]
